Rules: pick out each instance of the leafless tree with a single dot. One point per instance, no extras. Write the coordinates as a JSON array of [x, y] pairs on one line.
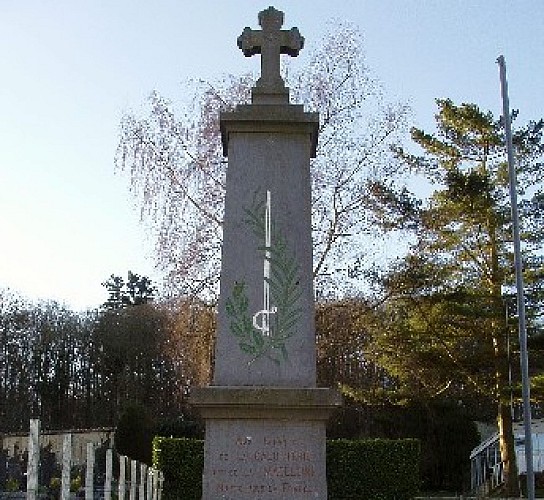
[[177, 171]]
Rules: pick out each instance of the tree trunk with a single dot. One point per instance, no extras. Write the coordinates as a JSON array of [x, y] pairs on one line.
[[499, 335], [504, 414], [508, 454]]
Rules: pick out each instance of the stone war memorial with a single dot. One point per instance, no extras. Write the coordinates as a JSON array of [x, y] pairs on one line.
[[265, 417]]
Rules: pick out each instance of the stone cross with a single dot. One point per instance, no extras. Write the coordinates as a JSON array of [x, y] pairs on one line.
[[270, 42]]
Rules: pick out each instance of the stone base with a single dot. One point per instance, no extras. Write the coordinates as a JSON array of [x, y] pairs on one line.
[[264, 443]]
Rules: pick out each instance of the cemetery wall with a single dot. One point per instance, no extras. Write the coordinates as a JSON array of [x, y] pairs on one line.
[[17, 444]]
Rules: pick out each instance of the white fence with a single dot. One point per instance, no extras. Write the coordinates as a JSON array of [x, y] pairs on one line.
[[135, 481]]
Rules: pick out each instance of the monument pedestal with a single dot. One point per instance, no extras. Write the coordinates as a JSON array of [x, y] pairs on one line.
[[265, 442]]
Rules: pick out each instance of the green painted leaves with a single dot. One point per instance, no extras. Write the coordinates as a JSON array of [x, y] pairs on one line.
[[240, 324], [283, 282]]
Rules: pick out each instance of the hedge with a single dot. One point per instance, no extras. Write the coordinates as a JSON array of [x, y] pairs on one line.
[[378, 469], [181, 460]]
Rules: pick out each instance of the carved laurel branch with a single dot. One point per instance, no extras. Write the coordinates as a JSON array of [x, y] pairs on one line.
[[284, 290]]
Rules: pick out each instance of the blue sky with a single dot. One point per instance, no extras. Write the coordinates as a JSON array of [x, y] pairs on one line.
[[70, 68]]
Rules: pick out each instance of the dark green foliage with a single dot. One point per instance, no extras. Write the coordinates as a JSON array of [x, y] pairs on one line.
[[187, 425], [132, 344], [447, 437], [438, 426], [392, 207], [49, 466], [3, 467], [100, 463], [134, 433], [137, 290], [181, 461], [444, 329], [447, 440], [377, 469]]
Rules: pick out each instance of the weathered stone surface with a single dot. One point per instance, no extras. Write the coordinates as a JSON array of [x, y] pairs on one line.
[[265, 459], [267, 119], [265, 442], [265, 418], [280, 403], [273, 156], [270, 42]]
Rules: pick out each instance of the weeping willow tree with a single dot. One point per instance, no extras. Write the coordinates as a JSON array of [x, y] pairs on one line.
[[173, 157]]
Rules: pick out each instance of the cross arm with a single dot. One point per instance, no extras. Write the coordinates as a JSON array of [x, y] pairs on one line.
[[250, 42], [291, 42]]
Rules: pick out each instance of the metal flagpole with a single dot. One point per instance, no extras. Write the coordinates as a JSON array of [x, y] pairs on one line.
[[525, 382]]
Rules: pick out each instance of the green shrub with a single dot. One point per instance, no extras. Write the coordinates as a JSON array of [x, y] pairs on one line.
[[12, 485], [373, 468], [75, 484], [439, 425], [379, 469], [181, 460], [54, 487], [134, 432]]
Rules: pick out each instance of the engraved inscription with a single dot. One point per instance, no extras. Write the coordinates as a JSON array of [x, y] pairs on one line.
[[270, 464]]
